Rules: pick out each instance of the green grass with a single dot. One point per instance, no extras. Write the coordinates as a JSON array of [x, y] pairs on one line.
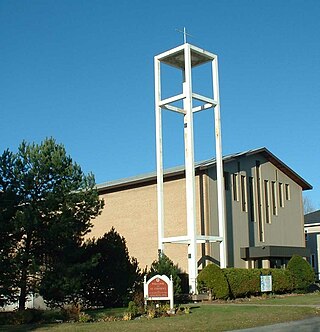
[[201, 318], [99, 313], [295, 299]]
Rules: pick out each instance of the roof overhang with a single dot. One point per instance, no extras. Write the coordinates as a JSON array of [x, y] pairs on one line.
[[273, 252], [200, 167]]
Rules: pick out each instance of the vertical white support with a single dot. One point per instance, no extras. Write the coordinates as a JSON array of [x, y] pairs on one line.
[[318, 256], [170, 291], [219, 165], [159, 155], [190, 172]]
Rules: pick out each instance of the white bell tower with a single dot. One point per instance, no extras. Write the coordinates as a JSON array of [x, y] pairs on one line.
[[184, 58]]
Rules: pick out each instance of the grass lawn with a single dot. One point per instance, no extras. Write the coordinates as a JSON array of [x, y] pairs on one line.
[[294, 299], [202, 318]]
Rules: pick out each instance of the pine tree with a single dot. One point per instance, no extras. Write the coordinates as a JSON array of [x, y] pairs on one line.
[[46, 206], [165, 266]]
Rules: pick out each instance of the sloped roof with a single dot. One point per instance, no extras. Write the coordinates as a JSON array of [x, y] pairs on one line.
[[312, 217], [178, 171], [271, 158]]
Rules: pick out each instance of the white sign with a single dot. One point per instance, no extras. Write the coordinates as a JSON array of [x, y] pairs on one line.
[[158, 288], [266, 283]]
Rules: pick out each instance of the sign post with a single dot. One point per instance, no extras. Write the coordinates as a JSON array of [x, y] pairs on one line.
[[158, 288]]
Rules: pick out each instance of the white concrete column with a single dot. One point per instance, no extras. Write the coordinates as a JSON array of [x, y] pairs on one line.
[[265, 263], [318, 256], [190, 172], [159, 155], [219, 164]]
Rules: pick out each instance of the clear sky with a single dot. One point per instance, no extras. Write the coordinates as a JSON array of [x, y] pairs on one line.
[[82, 72]]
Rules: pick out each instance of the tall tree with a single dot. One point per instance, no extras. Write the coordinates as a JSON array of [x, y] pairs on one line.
[[46, 205]]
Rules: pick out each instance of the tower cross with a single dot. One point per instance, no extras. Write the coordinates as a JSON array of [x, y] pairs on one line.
[[185, 34]]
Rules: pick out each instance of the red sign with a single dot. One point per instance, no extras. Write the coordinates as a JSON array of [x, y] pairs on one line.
[[158, 288]]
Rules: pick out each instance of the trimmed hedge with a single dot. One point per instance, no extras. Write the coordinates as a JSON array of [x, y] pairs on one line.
[[237, 283], [31, 316], [302, 273], [282, 281], [213, 279], [242, 282]]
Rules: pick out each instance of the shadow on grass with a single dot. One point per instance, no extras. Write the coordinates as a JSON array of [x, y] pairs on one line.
[[23, 328]]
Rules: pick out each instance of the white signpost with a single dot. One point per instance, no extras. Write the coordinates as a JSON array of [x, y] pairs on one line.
[[158, 288]]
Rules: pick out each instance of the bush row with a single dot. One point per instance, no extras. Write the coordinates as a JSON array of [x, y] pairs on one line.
[[31, 316], [237, 282]]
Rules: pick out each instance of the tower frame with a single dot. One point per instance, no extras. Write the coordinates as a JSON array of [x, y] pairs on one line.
[[184, 58]]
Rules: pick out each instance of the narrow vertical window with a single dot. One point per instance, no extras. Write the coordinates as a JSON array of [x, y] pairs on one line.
[[226, 177], [313, 261], [235, 187], [243, 193], [251, 198], [267, 201], [287, 191], [281, 201], [259, 202], [274, 198]]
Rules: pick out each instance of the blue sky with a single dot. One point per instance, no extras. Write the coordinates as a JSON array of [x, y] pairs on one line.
[[82, 72]]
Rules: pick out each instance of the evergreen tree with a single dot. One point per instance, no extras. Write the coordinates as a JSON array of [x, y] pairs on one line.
[[165, 266], [46, 207], [114, 274]]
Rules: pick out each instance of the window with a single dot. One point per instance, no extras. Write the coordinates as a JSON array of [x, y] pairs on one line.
[[235, 187], [274, 198], [267, 201], [259, 203], [287, 191], [243, 193], [251, 197], [281, 201], [306, 236], [313, 260], [226, 180]]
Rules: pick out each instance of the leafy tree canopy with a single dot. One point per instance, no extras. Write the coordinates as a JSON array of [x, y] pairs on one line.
[[46, 205]]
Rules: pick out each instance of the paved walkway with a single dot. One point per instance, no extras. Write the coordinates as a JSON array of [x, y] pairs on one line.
[[306, 325]]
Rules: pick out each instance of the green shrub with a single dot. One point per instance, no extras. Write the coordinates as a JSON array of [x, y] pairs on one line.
[[28, 316], [71, 312], [133, 309], [242, 282], [84, 318], [302, 273], [50, 316], [138, 300], [282, 281], [31, 316], [213, 279]]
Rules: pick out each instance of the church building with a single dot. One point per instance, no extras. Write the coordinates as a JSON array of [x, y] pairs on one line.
[[264, 212]]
